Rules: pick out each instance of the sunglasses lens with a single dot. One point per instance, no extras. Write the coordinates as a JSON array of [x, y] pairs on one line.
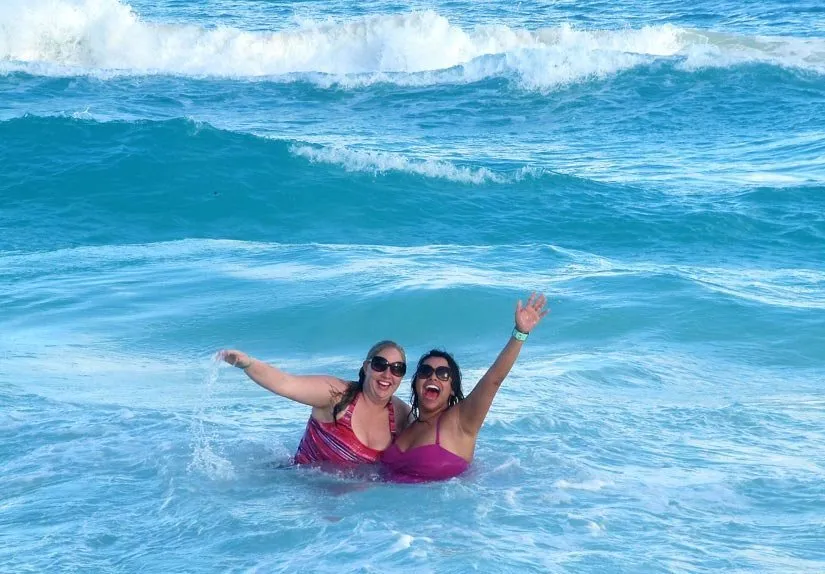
[[443, 373], [398, 369], [424, 372], [379, 364]]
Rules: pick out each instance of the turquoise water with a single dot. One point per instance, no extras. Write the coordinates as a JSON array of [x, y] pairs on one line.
[[302, 180]]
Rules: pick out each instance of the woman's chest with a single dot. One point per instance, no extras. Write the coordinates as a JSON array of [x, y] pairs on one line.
[[372, 432], [417, 434]]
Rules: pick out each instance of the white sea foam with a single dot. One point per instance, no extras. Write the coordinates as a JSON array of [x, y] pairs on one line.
[[404, 541], [711, 49], [351, 265], [447, 267], [799, 288], [382, 162], [590, 485], [68, 37]]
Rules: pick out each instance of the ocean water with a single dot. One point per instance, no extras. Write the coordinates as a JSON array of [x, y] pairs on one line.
[[300, 180]]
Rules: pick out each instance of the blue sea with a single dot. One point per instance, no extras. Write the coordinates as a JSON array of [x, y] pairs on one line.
[[302, 179]]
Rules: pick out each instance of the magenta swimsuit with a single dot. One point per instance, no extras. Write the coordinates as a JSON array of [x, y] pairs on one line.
[[422, 463]]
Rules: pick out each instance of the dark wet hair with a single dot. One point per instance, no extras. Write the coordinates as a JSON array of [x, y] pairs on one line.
[[455, 379], [357, 387]]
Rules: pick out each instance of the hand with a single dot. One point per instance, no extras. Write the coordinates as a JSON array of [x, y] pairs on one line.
[[235, 358], [529, 315]]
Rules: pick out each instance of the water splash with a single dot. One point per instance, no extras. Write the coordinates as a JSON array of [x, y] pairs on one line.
[[208, 457]]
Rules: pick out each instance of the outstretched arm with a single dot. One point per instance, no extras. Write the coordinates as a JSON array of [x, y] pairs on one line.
[[473, 410], [313, 390]]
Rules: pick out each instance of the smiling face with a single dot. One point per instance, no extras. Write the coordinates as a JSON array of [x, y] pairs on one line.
[[436, 383], [433, 384], [379, 380]]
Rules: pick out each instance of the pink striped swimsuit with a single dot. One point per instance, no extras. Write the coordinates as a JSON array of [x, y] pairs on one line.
[[337, 443]]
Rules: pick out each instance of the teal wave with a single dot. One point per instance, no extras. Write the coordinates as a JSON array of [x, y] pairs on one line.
[[72, 182]]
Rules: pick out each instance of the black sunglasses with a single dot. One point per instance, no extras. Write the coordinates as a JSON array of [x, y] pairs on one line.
[[441, 373], [379, 365]]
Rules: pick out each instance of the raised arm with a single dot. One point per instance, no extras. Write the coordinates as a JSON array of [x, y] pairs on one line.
[[314, 390], [473, 410]]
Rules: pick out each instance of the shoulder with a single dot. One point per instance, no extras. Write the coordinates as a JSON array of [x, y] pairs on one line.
[[342, 390], [343, 393], [452, 419], [340, 385], [402, 413], [402, 409]]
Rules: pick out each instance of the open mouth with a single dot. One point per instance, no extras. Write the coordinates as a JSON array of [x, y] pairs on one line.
[[383, 385], [431, 392]]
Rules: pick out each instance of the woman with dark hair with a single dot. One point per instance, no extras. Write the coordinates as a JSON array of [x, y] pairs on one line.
[[351, 422], [440, 441]]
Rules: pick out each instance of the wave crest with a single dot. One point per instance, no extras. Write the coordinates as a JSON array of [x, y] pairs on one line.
[[68, 37], [382, 162]]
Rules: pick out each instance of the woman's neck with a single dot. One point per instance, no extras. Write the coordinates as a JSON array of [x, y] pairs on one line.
[[373, 401]]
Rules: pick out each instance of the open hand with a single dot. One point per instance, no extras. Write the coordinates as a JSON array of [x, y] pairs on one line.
[[235, 358], [529, 315]]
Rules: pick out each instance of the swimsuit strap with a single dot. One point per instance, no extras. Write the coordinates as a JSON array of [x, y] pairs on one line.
[[347, 418], [392, 419]]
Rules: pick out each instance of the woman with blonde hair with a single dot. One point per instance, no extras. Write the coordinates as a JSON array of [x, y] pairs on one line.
[[352, 422]]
